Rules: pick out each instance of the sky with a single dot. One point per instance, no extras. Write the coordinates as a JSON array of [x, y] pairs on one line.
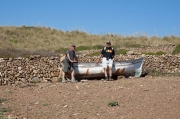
[[120, 17]]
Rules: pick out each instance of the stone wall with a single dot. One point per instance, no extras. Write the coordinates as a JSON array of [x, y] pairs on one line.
[[25, 70], [47, 69]]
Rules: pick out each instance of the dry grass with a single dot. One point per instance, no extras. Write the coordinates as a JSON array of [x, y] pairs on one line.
[[32, 39]]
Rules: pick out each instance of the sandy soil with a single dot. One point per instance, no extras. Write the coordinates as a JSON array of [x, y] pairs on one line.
[[135, 98]]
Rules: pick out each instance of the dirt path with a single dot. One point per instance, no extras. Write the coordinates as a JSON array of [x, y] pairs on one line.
[[134, 98]]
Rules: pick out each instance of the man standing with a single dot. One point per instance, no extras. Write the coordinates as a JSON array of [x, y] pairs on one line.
[[107, 55], [68, 63]]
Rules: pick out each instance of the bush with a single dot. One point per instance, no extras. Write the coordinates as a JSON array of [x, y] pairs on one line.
[[94, 54], [80, 48], [112, 103], [96, 47], [159, 53], [5, 110], [176, 50], [45, 104], [121, 51], [2, 100]]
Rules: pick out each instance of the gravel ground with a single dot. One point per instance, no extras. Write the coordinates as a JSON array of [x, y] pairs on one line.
[[128, 98]]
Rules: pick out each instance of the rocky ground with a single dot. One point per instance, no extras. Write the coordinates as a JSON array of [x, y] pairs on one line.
[[128, 98]]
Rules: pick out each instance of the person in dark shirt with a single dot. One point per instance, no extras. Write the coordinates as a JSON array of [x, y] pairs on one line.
[[68, 63], [107, 55]]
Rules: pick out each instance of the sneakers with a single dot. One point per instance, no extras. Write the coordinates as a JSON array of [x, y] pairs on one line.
[[73, 80], [106, 78], [110, 78], [64, 80]]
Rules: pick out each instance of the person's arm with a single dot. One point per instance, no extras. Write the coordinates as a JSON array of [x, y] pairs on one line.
[[69, 58], [97, 61], [113, 54], [76, 58]]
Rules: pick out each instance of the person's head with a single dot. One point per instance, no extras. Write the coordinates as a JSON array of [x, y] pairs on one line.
[[72, 47], [108, 44]]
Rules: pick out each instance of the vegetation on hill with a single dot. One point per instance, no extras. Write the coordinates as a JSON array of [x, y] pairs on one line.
[[27, 40], [176, 50]]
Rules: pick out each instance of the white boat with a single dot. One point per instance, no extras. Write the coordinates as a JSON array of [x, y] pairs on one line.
[[92, 70]]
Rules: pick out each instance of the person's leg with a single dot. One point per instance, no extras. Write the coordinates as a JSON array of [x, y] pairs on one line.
[[105, 72], [64, 69], [73, 73], [110, 69], [63, 77], [72, 76], [110, 73], [104, 64]]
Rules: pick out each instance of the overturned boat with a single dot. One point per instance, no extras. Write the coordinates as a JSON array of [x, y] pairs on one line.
[[86, 70]]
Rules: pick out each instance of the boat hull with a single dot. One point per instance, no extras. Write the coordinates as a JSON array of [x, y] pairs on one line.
[[92, 70]]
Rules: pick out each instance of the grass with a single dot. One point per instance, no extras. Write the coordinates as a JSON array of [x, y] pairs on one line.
[[154, 53], [2, 110], [51, 39], [121, 51], [45, 104], [94, 54], [27, 40], [34, 82], [156, 73], [10, 92], [5, 110], [2, 100], [95, 47], [59, 79], [159, 73]]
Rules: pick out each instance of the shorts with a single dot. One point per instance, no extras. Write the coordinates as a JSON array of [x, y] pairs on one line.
[[106, 63], [67, 66]]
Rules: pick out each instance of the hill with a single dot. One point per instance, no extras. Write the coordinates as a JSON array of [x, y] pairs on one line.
[[24, 40]]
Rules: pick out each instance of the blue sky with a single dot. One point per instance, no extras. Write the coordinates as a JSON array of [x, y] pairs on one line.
[[121, 17]]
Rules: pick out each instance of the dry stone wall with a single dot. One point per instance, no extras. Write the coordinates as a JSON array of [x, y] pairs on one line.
[[20, 70], [26, 70]]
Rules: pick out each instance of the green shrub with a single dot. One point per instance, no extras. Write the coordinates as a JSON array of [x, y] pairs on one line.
[[59, 80], [2, 100], [5, 109], [121, 51], [14, 41], [159, 53], [45, 104], [10, 92], [176, 50], [112, 103], [2, 110], [80, 48], [1, 113], [96, 47], [94, 54]]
